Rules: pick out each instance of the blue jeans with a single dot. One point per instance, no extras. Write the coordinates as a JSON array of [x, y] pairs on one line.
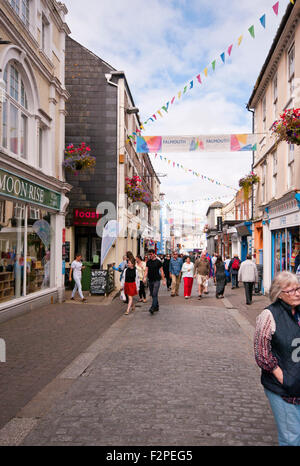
[[234, 280], [154, 289], [287, 418]]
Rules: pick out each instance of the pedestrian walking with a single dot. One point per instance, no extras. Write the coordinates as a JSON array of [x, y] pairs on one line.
[[166, 267], [227, 262], [176, 264], [233, 268], [76, 269], [141, 267], [188, 277], [130, 284], [220, 277], [276, 347], [202, 271], [249, 276], [154, 273]]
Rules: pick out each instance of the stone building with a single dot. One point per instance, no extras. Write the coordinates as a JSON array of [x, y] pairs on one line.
[[32, 140], [277, 206], [102, 114]]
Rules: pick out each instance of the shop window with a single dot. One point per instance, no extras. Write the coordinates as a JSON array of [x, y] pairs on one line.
[[24, 260], [15, 113], [286, 248]]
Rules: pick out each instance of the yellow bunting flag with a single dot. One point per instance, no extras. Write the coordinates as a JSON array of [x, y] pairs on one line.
[[240, 40], [206, 71]]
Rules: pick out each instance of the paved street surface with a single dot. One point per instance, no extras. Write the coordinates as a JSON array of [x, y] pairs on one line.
[[184, 376]]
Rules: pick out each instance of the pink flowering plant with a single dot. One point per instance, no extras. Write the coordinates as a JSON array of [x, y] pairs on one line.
[[287, 128], [135, 190], [78, 158]]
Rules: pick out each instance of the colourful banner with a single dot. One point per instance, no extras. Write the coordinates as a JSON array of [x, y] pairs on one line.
[[205, 143]]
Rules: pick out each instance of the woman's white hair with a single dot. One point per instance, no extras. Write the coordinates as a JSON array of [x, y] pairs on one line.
[[281, 281]]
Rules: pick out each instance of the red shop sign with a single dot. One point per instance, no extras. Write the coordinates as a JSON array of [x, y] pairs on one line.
[[86, 217]]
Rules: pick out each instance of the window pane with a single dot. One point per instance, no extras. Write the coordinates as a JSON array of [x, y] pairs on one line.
[[291, 62], [16, 5], [38, 250], [23, 137], [23, 96], [13, 129], [40, 148], [4, 124], [11, 256], [25, 12], [14, 83]]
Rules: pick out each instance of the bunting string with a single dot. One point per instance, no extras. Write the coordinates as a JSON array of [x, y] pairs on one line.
[[199, 78], [204, 178]]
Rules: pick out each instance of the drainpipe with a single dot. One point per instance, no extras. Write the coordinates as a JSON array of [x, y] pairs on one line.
[[252, 166], [108, 77]]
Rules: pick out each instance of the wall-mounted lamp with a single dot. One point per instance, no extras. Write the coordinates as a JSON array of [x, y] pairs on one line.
[[132, 110]]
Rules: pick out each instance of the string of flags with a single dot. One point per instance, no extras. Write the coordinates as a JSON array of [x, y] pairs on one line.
[[199, 78], [196, 201], [192, 172]]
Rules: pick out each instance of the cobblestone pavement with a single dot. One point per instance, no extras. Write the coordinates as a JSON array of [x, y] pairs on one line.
[[42, 343], [182, 377]]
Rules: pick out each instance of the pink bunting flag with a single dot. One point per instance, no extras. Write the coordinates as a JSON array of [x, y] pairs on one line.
[[276, 8], [172, 101], [199, 79], [230, 49]]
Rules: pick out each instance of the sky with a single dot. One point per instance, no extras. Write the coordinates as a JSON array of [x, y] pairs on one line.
[[162, 45]]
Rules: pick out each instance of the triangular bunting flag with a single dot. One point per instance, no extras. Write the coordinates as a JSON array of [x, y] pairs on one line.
[[251, 30], [293, 2], [240, 40], [214, 65], [263, 21], [199, 78], [205, 71], [172, 101], [230, 49], [276, 8], [223, 57]]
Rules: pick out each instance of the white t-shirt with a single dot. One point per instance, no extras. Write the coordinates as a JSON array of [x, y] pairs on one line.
[[76, 266], [187, 270]]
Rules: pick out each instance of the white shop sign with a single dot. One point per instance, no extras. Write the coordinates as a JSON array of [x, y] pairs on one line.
[[285, 221]]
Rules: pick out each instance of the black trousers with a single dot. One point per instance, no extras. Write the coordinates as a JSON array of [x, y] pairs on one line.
[[142, 291], [249, 291]]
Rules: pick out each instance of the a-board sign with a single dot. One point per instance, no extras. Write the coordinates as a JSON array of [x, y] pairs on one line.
[[98, 281]]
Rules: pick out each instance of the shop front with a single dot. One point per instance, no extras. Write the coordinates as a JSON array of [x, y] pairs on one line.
[[30, 242], [285, 234]]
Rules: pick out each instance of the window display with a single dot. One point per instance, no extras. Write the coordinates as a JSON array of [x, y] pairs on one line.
[[25, 250], [286, 249]]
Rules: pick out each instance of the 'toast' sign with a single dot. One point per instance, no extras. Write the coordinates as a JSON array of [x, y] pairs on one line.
[[86, 217]]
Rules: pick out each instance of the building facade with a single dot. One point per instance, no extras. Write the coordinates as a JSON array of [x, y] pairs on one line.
[[32, 184], [277, 214], [102, 114]]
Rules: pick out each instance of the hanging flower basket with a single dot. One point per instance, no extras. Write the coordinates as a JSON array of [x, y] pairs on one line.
[[136, 192], [287, 128], [78, 159], [247, 182]]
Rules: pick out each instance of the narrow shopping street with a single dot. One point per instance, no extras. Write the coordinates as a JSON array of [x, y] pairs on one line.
[[184, 376]]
